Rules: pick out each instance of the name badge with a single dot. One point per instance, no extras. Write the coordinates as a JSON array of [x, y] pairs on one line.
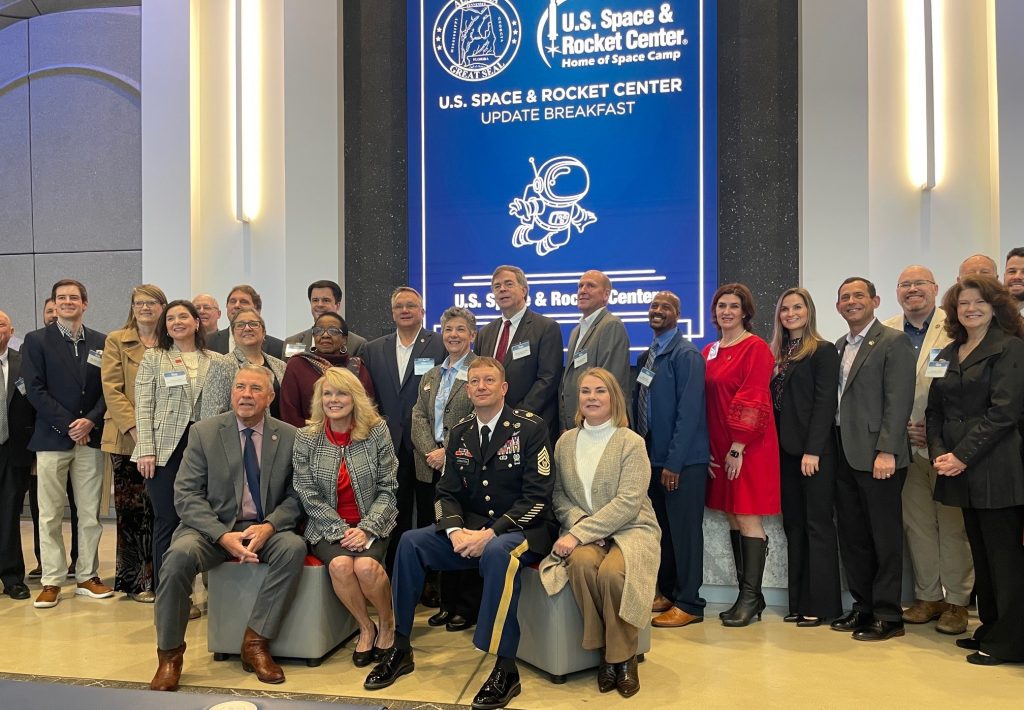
[[20, 384], [645, 377], [520, 350], [422, 365], [933, 354], [580, 358], [936, 368], [293, 349], [462, 374], [95, 357], [175, 378], [713, 352]]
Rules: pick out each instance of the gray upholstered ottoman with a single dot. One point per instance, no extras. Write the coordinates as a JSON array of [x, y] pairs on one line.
[[316, 624], [551, 630]]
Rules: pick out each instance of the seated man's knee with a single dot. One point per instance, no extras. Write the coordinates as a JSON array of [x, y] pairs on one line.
[[179, 560]]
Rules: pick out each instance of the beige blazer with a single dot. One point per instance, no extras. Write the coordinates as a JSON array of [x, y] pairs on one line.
[[621, 510], [162, 412], [422, 431], [935, 338], [122, 355]]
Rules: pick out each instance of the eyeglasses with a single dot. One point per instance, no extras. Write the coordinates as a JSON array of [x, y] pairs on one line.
[[247, 325], [145, 304], [333, 332], [919, 283]]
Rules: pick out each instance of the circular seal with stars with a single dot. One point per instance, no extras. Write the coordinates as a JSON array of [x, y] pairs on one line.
[[476, 39]]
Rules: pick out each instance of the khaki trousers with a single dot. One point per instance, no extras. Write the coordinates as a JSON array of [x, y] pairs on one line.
[[938, 545], [597, 576], [84, 466]]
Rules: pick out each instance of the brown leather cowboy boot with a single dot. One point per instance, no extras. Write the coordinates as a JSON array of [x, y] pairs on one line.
[[256, 658], [168, 670]]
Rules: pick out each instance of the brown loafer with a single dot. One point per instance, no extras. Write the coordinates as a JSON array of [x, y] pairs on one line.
[[953, 620], [168, 669], [256, 658], [921, 612], [661, 603], [674, 618], [194, 612]]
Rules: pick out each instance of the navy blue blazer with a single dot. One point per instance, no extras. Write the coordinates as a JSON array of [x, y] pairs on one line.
[[21, 417], [62, 389], [395, 399], [678, 427]]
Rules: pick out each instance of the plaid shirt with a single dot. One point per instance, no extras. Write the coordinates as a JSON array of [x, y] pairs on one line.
[[73, 338]]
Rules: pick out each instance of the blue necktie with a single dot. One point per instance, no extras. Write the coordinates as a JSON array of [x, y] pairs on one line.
[[252, 472]]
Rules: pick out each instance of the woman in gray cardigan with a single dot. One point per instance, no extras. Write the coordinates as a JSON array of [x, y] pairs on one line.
[[609, 548], [345, 469]]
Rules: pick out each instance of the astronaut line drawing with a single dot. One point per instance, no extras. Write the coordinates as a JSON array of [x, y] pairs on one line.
[[547, 217]]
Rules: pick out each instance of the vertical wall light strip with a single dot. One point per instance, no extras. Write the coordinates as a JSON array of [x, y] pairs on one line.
[[248, 99], [919, 92]]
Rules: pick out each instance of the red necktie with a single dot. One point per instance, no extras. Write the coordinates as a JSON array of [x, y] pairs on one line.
[[499, 354]]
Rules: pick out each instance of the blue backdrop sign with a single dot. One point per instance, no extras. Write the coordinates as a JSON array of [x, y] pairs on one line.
[[561, 136]]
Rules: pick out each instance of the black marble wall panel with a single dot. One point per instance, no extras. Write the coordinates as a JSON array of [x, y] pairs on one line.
[[758, 188], [376, 150], [758, 198]]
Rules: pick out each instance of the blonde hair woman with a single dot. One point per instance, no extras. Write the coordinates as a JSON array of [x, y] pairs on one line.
[[609, 550], [345, 470]]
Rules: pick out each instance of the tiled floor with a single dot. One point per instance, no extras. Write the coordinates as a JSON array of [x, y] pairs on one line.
[[767, 665]]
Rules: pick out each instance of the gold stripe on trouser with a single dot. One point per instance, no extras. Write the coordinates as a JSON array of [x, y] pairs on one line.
[[506, 595]]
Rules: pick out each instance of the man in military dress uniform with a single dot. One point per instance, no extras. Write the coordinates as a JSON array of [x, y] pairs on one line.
[[493, 510]]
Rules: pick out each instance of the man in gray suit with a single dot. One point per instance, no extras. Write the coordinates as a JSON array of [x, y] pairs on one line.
[[876, 396], [324, 297], [235, 498], [599, 340]]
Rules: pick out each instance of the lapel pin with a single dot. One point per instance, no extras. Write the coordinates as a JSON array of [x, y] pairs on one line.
[[505, 424], [517, 425], [871, 342], [273, 437]]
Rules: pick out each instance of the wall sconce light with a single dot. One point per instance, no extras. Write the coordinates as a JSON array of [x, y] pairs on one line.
[[920, 21], [248, 101]]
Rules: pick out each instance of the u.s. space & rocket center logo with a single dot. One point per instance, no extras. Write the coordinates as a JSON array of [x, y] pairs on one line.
[[476, 39]]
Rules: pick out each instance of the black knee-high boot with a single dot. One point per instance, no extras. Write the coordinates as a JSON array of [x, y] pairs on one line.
[[737, 556], [751, 601]]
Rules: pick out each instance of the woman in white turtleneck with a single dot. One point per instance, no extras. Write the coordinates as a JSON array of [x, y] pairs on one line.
[[609, 549]]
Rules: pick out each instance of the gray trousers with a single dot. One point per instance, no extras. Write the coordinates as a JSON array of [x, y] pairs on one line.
[[190, 553]]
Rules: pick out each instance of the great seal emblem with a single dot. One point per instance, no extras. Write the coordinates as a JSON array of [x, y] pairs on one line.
[[476, 39]]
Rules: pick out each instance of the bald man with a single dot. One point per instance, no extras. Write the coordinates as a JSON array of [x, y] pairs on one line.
[[943, 567], [209, 313], [978, 265], [600, 340], [17, 419]]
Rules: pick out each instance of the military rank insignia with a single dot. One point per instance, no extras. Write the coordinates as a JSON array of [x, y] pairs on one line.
[[544, 462]]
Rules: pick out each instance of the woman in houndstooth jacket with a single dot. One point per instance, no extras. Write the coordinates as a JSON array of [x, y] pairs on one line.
[[345, 470]]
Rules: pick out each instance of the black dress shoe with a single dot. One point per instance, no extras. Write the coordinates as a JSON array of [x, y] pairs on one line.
[[791, 618], [396, 663], [971, 644], [361, 659], [879, 630], [805, 623], [457, 622], [627, 678], [430, 598], [498, 691], [980, 659], [851, 621], [440, 618], [606, 676], [17, 591]]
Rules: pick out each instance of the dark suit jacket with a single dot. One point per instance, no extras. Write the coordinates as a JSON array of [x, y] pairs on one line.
[[396, 399], [21, 417], [507, 488], [810, 396], [607, 346], [355, 342], [678, 427], [533, 379], [208, 489], [61, 389], [219, 341], [974, 412], [878, 398]]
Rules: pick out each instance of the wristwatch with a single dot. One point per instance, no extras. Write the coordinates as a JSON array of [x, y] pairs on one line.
[[734, 453]]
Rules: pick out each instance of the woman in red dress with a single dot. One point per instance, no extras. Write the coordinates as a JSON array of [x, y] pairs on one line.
[[744, 466]]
